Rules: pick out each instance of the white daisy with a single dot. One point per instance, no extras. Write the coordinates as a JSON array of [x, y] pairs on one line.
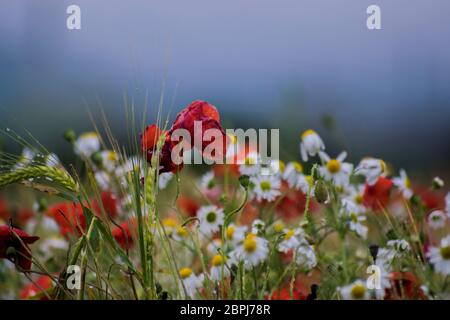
[[336, 169], [253, 250], [436, 219], [404, 184], [355, 291], [214, 246], [440, 256], [164, 179], [305, 257], [293, 175], [207, 180], [354, 217], [293, 238], [109, 160], [86, 144], [372, 169], [191, 282], [271, 167], [235, 234], [103, 180], [250, 165], [311, 144], [211, 218], [355, 195], [219, 268], [266, 187], [258, 226]]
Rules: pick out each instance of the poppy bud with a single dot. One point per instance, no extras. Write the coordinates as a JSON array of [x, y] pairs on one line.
[[70, 136], [97, 158], [321, 191], [244, 180]]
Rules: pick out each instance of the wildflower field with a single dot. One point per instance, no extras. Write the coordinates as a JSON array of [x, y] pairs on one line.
[[129, 222]]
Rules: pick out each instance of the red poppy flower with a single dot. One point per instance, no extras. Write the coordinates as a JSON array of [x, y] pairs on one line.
[[293, 205], [433, 200], [9, 238], [404, 285], [149, 140], [285, 294], [188, 205], [207, 114], [109, 203], [43, 283], [376, 197], [123, 234], [69, 216]]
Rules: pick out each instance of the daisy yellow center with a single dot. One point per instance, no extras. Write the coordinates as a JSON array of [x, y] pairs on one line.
[[289, 234], [250, 243], [89, 135], [445, 252], [354, 217], [359, 198], [282, 166], [265, 186], [250, 161], [169, 222], [185, 273], [334, 166], [408, 183], [358, 291], [229, 232], [218, 260], [182, 231], [382, 166], [112, 156], [308, 133], [298, 167], [278, 227], [211, 217]]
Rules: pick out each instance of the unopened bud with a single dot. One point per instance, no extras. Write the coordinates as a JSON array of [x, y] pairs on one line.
[[321, 192], [70, 136], [97, 158], [244, 180], [437, 183]]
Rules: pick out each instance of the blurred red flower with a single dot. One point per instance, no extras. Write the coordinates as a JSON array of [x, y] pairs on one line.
[[404, 285], [123, 234], [43, 283], [188, 205], [149, 140], [109, 203], [285, 294], [293, 205], [69, 216], [9, 238], [376, 197]]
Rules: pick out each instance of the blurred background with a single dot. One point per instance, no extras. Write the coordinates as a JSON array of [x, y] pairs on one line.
[[288, 64]]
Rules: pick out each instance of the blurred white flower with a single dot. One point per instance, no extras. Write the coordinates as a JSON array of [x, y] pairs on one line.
[[440, 256], [211, 218], [86, 144], [404, 184], [372, 169], [310, 144]]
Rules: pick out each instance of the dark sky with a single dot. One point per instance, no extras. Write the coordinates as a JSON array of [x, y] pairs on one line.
[[270, 63]]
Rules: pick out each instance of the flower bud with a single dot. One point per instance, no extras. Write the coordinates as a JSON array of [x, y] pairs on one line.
[[244, 180], [437, 183], [321, 192], [70, 136], [97, 158]]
